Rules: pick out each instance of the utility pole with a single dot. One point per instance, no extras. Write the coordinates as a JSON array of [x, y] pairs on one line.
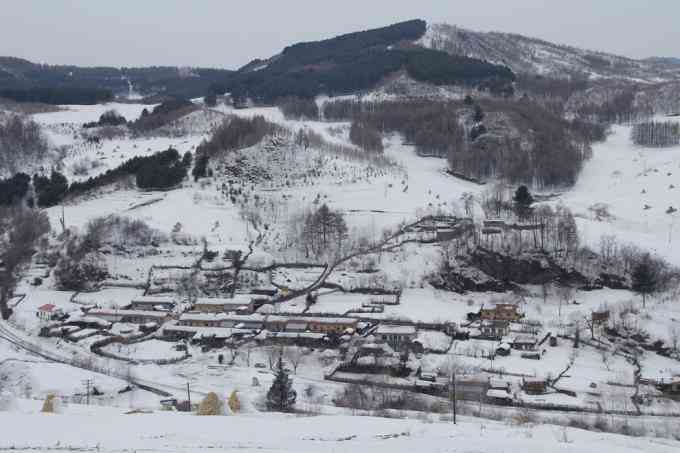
[[189, 396], [453, 395], [87, 383]]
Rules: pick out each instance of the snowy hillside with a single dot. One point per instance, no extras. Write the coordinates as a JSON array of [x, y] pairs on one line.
[[533, 56]]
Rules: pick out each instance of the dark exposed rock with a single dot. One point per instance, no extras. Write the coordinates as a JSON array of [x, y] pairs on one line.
[[528, 268]]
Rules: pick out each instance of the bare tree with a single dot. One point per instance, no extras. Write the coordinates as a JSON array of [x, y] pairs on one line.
[[234, 351], [295, 356], [20, 230], [273, 354]]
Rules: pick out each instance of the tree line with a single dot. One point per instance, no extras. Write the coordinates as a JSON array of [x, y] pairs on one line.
[[656, 134], [515, 140]]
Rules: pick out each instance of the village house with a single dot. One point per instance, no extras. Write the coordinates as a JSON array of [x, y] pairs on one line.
[[242, 304], [151, 303], [130, 316], [525, 343], [398, 337], [501, 312], [494, 329]]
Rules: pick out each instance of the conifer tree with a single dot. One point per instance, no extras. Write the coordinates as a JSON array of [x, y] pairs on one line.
[[281, 396]]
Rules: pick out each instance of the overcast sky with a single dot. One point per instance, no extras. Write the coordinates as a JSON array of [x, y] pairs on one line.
[[229, 33]]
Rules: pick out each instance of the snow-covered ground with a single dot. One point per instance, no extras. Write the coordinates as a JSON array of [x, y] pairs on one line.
[[82, 428], [616, 177], [624, 179]]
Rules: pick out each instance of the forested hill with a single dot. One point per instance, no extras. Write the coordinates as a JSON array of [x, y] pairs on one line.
[[24, 81], [358, 61]]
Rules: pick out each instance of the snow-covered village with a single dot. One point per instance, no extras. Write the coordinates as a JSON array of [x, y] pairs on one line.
[[473, 250]]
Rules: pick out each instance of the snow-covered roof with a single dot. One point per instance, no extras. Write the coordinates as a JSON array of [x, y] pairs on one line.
[[525, 339], [386, 329], [308, 335], [152, 300], [238, 299], [107, 312], [194, 316], [495, 393], [498, 383]]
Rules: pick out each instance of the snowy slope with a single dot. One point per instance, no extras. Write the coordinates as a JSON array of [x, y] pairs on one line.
[[534, 56], [625, 179]]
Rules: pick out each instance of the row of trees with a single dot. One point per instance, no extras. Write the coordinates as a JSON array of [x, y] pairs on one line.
[[58, 95], [656, 134]]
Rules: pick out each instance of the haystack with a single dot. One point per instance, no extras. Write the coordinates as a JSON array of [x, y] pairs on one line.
[[51, 404], [211, 405]]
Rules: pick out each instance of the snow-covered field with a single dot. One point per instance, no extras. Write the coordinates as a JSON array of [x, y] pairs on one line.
[[82, 428]]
